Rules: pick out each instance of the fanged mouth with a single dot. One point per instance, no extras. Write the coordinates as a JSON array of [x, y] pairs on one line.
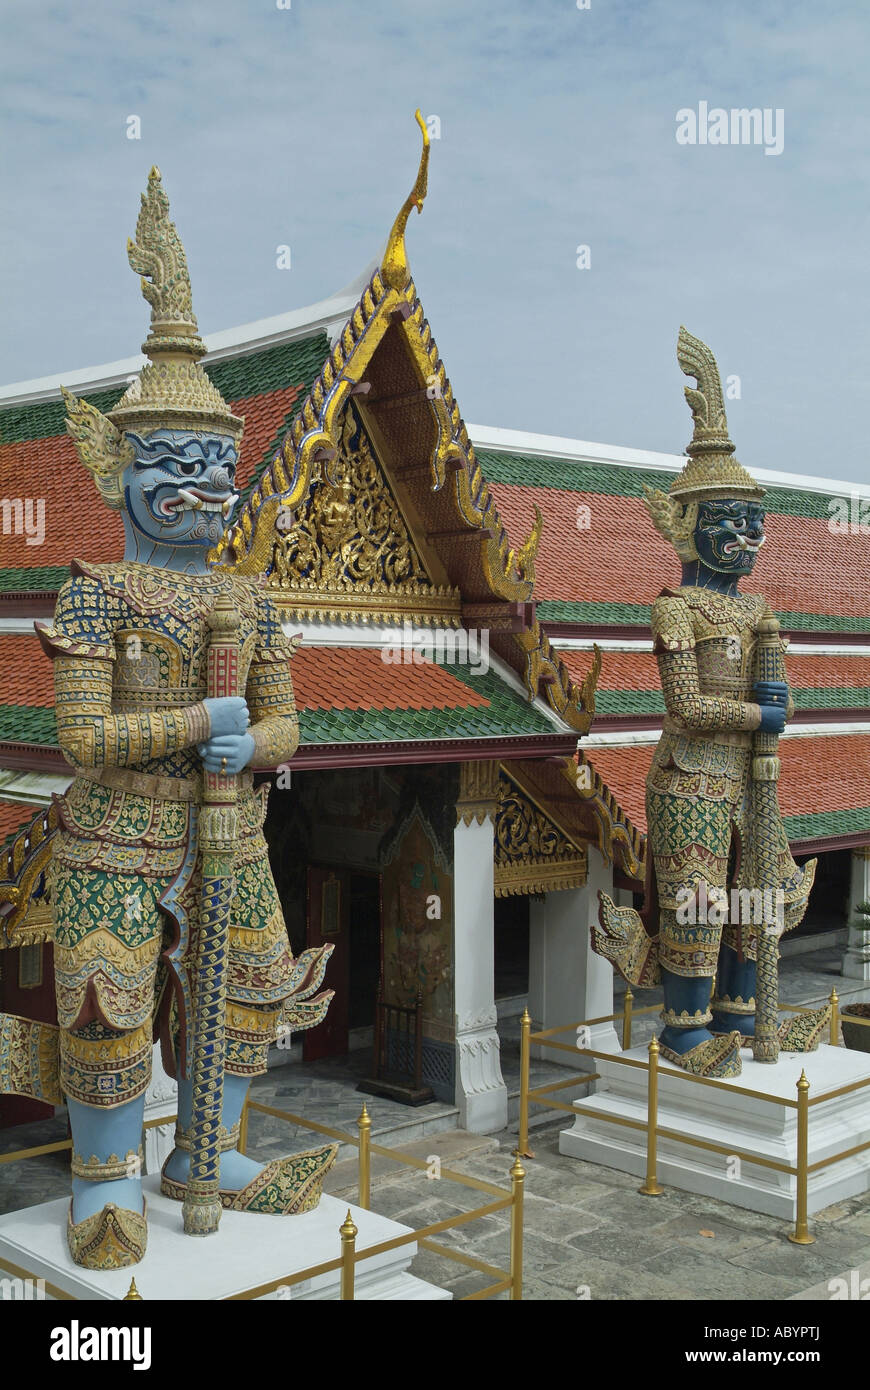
[[745, 543], [195, 500]]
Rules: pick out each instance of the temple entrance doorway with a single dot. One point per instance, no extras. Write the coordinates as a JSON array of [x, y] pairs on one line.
[[344, 907]]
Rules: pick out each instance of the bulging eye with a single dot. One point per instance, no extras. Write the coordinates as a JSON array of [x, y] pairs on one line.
[[735, 523], [187, 467]]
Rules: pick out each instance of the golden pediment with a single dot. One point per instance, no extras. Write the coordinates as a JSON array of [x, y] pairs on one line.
[[531, 854], [347, 551]]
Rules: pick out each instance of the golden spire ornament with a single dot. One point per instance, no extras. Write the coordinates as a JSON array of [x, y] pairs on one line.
[[710, 471], [173, 390]]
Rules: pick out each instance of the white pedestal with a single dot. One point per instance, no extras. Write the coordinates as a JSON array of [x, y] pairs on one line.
[[161, 1099], [248, 1250], [738, 1121]]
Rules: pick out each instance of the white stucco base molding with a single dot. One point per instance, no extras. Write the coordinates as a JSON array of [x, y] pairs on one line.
[[741, 1122]]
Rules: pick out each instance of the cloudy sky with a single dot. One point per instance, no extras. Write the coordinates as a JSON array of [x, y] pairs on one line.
[[558, 129]]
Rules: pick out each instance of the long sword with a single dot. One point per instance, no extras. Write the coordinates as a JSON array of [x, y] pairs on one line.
[[765, 832], [218, 830]]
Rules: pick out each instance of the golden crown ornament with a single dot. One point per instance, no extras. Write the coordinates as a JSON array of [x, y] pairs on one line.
[[710, 471], [173, 390]]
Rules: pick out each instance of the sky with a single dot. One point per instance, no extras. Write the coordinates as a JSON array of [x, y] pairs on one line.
[[290, 122]]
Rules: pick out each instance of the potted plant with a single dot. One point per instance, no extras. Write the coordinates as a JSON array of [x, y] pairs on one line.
[[857, 1035]]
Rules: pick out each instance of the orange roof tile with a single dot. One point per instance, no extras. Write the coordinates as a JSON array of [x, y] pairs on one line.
[[26, 673], [620, 558], [359, 678], [14, 815], [821, 774]]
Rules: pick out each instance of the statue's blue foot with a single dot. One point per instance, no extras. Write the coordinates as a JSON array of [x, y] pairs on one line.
[[284, 1187], [716, 1057], [106, 1228], [237, 1170], [744, 1024], [682, 1040]]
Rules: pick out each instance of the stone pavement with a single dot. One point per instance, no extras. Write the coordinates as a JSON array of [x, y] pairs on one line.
[[588, 1233]]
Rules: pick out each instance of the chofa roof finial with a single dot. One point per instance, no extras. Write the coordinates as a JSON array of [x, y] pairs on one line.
[[395, 271]]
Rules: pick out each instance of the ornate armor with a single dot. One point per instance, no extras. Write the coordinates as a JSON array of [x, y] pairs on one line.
[[717, 862], [167, 920]]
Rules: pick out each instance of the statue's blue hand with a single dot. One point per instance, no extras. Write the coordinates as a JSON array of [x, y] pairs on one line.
[[770, 692], [238, 749], [228, 714], [772, 719]]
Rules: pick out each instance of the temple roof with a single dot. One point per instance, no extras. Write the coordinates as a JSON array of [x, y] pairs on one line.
[[816, 578], [467, 496], [353, 707]]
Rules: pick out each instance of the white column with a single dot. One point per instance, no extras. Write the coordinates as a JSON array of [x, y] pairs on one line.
[[480, 1090], [161, 1099], [568, 982], [856, 961]]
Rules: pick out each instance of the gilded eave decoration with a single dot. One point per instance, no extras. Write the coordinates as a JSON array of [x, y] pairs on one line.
[[25, 911], [618, 839], [347, 550], [390, 302], [531, 854]]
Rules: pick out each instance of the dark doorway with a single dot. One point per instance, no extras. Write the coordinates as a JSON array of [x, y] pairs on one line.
[[365, 948], [511, 946], [829, 898]]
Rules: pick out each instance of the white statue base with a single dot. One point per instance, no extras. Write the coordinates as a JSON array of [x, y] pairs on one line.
[[247, 1251], [740, 1122]]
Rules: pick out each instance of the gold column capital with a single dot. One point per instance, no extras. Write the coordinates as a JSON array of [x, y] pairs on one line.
[[478, 791]]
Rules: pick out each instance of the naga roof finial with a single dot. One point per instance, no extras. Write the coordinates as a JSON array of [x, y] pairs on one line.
[[395, 271]]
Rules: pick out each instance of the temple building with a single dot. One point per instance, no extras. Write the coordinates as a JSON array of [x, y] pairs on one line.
[[477, 693]]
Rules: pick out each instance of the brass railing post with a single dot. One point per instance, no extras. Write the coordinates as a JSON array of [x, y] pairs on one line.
[[523, 1150], [651, 1186], [243, 1128], [518, 1177], [835, 1017], [626, 1019], [364, 1124], [801, 1233], [348, 1233]]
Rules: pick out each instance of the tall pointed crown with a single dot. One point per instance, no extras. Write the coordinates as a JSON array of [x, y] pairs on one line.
[[710, 471], [173, 390]]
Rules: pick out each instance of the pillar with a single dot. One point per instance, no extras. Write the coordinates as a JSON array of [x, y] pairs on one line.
[[568, 982], [161, 1099], [856, 961], [481, 1094]]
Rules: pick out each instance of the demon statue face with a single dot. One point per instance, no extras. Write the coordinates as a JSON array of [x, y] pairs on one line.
[[178, 490], [729, 534]]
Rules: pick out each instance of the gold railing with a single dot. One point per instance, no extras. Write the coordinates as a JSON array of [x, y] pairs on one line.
[[801, 1169], [509, 1280]]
